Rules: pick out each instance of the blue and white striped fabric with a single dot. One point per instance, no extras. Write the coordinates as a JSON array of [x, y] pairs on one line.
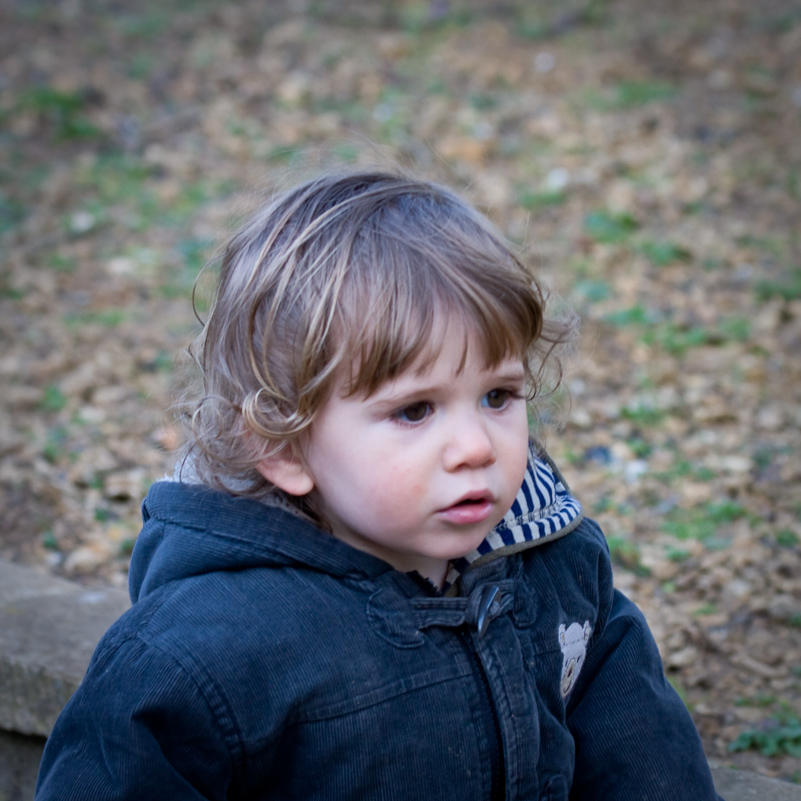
[[543, 510]]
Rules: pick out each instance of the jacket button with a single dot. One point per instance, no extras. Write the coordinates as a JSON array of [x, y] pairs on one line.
[[489, 596]]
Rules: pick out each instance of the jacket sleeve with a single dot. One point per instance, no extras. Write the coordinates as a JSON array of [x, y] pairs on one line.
[[633, 735], [138, 727]]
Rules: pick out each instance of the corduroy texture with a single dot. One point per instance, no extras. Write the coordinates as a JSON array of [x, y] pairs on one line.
[[264, 659]]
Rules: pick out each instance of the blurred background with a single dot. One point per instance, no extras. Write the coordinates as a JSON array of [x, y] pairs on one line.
[[644, 155]]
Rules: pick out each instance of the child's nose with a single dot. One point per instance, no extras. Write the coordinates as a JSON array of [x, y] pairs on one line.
[[470, 445]]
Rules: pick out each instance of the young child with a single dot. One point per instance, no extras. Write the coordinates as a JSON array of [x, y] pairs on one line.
[[365, 581]]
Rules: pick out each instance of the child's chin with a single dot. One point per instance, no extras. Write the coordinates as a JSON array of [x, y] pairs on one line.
[[464, 548]]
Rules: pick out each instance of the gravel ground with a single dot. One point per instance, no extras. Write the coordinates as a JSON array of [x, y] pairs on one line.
[[646, 156]]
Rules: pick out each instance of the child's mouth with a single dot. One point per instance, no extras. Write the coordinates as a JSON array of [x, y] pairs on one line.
[[472, 509]]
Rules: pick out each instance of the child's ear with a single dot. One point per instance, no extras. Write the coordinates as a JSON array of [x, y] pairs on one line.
[[287, 471]]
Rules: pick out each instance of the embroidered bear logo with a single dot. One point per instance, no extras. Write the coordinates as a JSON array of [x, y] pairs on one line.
[[573, 642]]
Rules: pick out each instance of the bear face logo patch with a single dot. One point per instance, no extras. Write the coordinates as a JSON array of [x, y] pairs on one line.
[[573, 642]]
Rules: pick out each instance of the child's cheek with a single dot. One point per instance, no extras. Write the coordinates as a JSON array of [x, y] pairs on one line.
[[396, 490], [404, 475], [390, 467]]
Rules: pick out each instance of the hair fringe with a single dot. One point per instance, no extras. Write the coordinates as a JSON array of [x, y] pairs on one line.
[[289, 316]]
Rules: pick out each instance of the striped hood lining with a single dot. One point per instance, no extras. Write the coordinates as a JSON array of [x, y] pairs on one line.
[[543, 510]]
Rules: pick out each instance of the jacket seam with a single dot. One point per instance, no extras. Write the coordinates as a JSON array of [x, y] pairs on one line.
[[230, 735]]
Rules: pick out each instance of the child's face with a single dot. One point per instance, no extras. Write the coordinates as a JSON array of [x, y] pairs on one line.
[[419, 472]]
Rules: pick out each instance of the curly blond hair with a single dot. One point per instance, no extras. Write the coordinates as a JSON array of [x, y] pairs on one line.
[[341, 279]]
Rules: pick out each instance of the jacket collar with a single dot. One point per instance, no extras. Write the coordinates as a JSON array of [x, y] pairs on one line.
[[543, 511], [190, 529]]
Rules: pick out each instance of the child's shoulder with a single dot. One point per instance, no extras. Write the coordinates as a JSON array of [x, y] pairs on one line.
[[574, 570], [586, 538], [568, 567], [547, 523], [210, 561]]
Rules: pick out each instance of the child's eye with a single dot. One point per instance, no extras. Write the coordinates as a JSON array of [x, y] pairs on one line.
[[497, 398], [414, 412]]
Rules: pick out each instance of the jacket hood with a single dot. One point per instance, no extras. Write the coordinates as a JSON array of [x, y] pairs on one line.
[[543, 510], [190, 530]]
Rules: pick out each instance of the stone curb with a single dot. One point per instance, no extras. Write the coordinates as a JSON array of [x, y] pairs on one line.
[[741, 785], [49, 628], [48, 631]]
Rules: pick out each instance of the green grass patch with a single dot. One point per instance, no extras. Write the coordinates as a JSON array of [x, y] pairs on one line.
[[130, 187], [771, 245], [107, 318], [793, 183], [786, 538], [604, 504], [352, 111], [609, 228], [163, 362], [102, 515], [181, 279], [640, 447], [782, 22], [778, 736], [53, 399], [593, 291], [582, 267], [127, 546], [762, 700], [140, 65], [636, 315], [626, 554], [538, 28], [643, 415], [436, 86], [630, 94], [663, 253], [533, 30], [10, 293], [543, 20], [62, 264], [417, 17], [63, 112], [737, 329], [764, 455], [677, 554], [703, 474], [787, 288], [693, 207], [682, 469], [346, 152], [49, 540], [55, 444], [482, 101], [532, 200], [118, 179], [147, 21], [703, 523], [286, 154], [677, 338], [12, 212]]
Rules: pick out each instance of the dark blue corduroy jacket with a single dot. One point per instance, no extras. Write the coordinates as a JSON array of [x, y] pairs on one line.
[[263, 659]]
